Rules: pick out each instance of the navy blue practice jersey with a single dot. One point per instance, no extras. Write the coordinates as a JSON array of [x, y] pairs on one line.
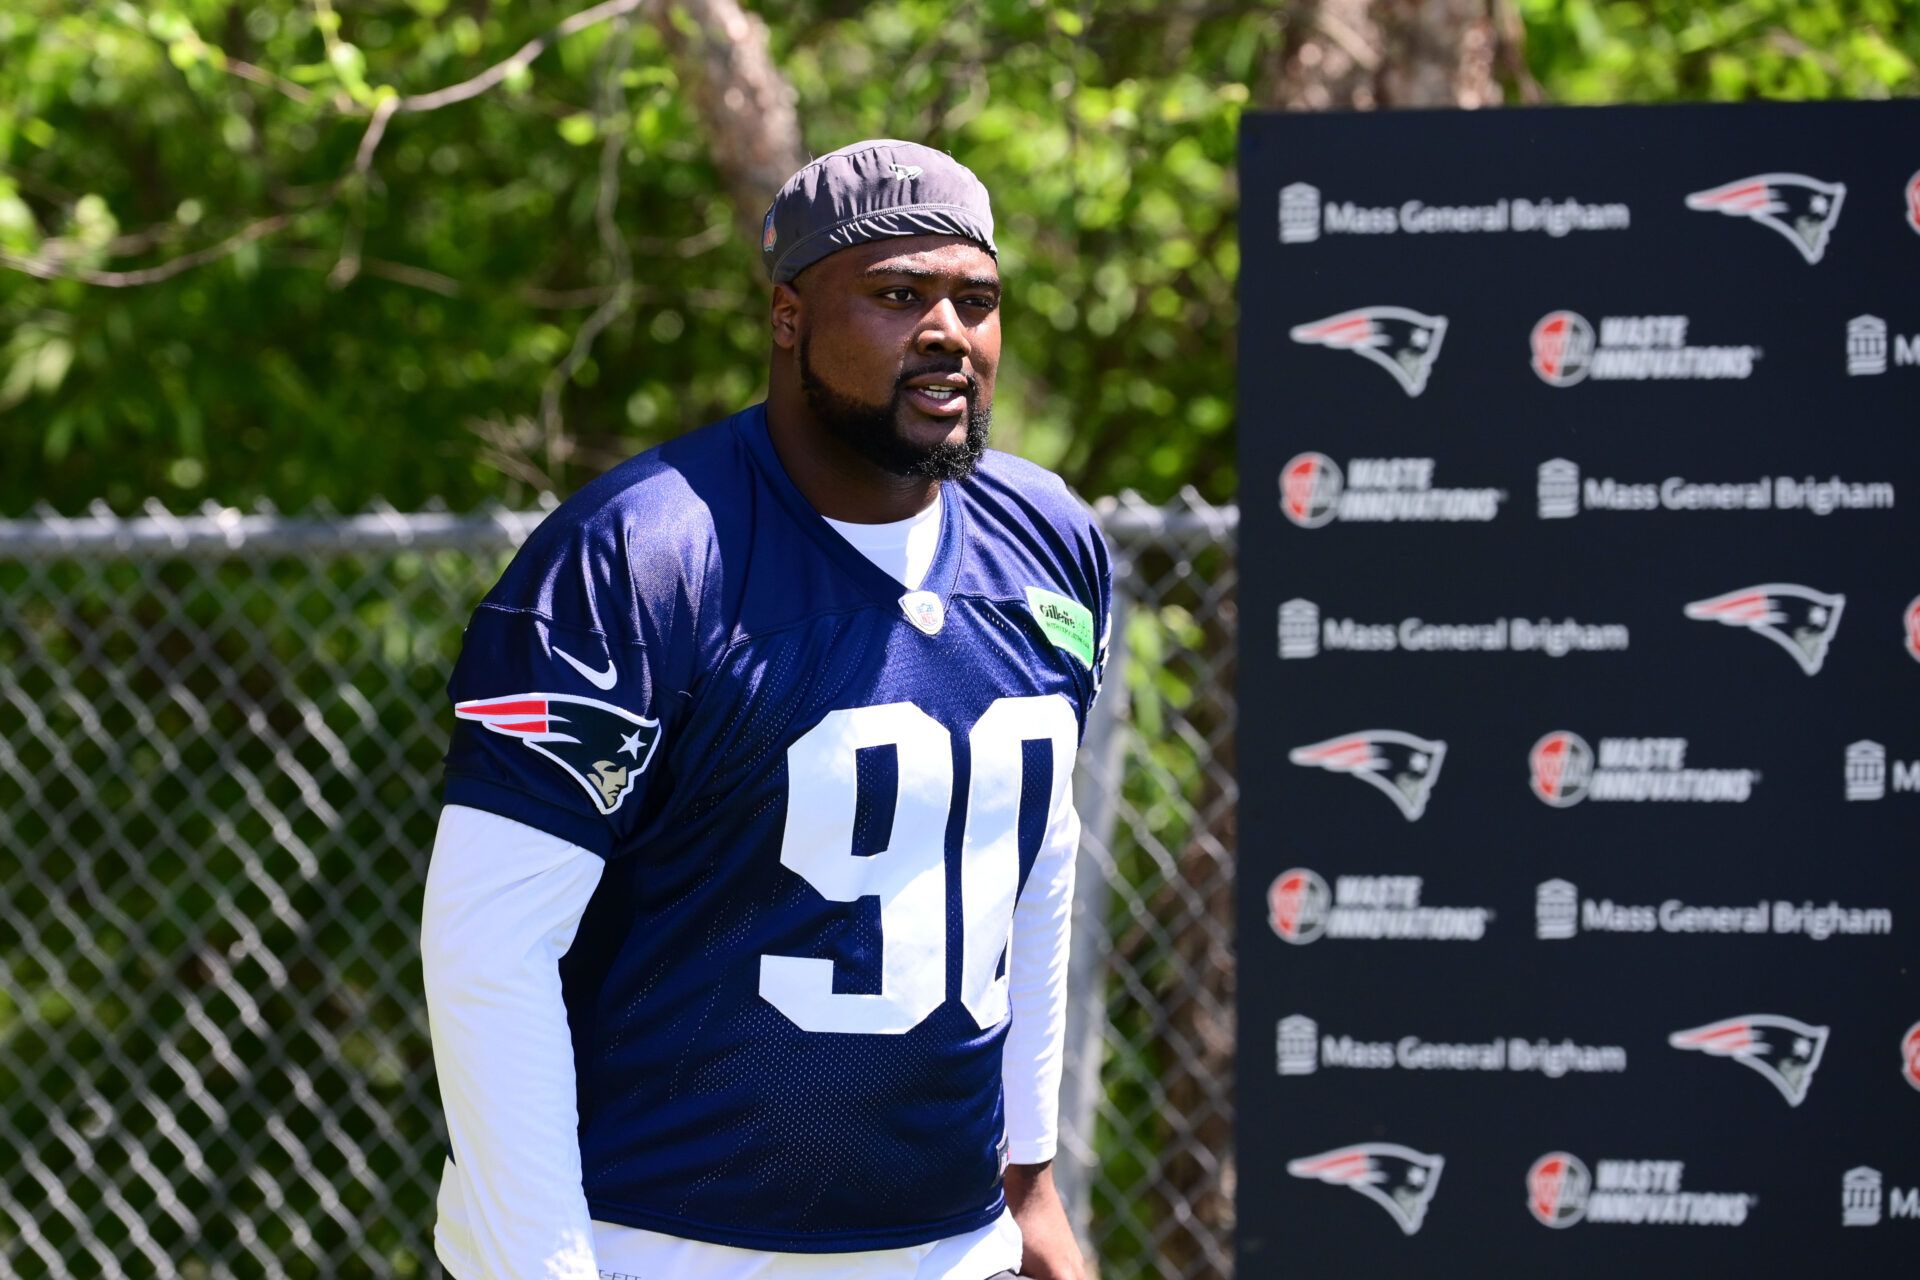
[[819, 796]]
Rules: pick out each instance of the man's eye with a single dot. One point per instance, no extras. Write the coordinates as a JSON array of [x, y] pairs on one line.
[[983, 301], [901, 294]]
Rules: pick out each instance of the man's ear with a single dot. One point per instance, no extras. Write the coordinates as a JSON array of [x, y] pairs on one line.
[[786, 317]]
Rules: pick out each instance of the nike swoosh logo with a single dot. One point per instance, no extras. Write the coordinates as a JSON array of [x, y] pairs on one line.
[[598, 679]]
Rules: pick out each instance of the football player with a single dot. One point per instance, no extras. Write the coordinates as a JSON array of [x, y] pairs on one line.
[[745, 933]]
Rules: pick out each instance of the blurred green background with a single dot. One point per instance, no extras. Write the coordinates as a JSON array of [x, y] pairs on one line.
[[391, 332]]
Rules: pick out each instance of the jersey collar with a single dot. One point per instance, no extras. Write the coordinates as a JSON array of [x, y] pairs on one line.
[[874, 581]]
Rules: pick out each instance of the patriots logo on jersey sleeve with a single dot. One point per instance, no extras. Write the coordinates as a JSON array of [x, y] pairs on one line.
[[1800, 208], [1798, 619], [602, 747], [1403, 342], [1398, 765], [1398, 1179], [1784, 1050]]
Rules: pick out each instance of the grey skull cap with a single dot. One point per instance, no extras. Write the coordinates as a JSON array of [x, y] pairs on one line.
[[866, 191]]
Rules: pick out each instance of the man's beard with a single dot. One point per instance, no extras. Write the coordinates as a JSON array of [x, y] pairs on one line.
[[871, 431]]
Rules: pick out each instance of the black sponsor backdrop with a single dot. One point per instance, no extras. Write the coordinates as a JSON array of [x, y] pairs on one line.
[[1738, 699]]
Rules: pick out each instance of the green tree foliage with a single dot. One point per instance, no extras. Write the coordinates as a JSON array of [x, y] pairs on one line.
[[390, 331], [1586, 51]]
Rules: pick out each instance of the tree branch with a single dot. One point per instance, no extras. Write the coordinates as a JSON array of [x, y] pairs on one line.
[[397, 272], [261, 76], [44, 269], [474, 86], [743, 100], [349, 262]]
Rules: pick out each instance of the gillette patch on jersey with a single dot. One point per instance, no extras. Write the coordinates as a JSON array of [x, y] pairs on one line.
[[1067, 622]]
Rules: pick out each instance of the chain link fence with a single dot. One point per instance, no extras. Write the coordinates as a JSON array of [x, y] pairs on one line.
[[220, 741]]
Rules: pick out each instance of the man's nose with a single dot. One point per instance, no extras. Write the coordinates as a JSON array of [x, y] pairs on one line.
[[941, 331]]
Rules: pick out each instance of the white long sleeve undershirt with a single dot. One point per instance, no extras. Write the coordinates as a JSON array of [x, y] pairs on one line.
[[503, 901]]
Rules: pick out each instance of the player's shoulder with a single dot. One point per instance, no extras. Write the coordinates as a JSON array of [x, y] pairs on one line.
[[1027, 495], [1025, 520], [663, 498], [643, 530]]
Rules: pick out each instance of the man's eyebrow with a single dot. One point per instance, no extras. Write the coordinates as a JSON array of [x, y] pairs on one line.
[[921, 273]]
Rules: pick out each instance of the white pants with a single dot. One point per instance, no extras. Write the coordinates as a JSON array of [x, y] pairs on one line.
[[628, 1253]]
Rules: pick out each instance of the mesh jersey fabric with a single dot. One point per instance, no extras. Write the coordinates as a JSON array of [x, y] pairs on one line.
[[761, 1061]]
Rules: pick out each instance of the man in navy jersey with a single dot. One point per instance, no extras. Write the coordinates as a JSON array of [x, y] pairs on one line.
[[745, 933]]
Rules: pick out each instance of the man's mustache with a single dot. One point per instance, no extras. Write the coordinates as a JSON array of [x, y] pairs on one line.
[[971, 390]]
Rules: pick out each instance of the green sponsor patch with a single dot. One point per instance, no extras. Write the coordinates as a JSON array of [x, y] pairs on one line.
[[1067, 622]]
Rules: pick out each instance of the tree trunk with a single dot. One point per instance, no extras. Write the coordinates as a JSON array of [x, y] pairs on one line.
[[743, 99], [1395, 53]]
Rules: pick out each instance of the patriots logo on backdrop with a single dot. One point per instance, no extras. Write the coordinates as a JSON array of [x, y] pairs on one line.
[[1398, 1179], [603, 747], [1784, 1050], [1403, 342], [1557, 1189], [1798, 619], [1400, 766], [1800, 208]]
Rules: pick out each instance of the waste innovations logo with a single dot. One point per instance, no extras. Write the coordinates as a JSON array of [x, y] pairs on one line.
[[1561, 1192], [1799, 619], [1910, 1056], [1870, 775], [1784, 1051], [1561, 914], [1306, 215], [1314, 492], [1563, 771], [1630, 349], [1803, 210], [1402, 341], [1865, 1200], [1910, 628], [1398, 1179], [1558, 1186], [1301, 909], [1400, 766], [1871, 348], [1305, 633], [1562, 494], [1561, 768], [1303, 1048]]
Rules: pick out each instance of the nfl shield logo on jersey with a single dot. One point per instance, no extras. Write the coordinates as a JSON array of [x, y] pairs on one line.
[[925, 611]]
